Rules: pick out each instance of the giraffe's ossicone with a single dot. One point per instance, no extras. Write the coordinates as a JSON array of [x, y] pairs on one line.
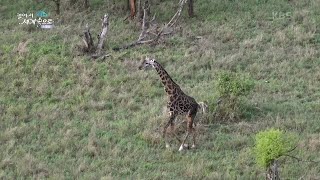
[[178, 102]]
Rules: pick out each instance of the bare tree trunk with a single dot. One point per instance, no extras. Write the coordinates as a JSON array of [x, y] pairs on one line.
[[57, 6], [139, 10], [273, 172], [86, 4], [132, 8], [146, 13], [190, 10], [89, 46], [103, 34], [72, 2]]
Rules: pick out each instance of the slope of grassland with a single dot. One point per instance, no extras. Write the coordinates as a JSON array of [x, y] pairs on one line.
[[65, 116]]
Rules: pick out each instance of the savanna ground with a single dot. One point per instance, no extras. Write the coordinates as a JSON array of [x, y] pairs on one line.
[[65, 116]]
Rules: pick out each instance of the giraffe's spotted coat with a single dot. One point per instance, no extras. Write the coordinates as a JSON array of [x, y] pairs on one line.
[[178, 102]]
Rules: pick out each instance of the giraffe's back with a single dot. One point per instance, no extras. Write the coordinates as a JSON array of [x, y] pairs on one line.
[[182, 104]]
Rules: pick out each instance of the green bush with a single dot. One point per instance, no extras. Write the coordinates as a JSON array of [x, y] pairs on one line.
[[234, 85], [270, 145], [232, 88]]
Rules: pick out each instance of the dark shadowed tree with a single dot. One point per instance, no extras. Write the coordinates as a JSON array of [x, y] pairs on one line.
[[86, 4], [190, 8], [57, 4]]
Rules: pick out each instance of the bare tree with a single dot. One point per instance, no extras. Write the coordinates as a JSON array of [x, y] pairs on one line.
[[132, 4]]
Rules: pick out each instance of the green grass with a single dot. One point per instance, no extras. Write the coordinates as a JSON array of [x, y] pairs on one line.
[[65, 116]]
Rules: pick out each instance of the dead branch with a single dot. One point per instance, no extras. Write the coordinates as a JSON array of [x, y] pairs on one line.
[[146, 30], [103, 34], [177, 14], [143, 26], [22, 47], [173, 20], [301, 160], [87, 40], [126, 18]]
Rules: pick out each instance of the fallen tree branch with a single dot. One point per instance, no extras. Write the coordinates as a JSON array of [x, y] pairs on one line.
[[145, 29], [295, 147], [301, 160]]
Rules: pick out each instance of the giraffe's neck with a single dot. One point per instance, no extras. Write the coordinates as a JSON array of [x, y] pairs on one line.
[[169, 85]]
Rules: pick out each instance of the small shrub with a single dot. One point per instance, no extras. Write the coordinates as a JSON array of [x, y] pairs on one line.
[[270, 145], [231, 89], [234, 85]]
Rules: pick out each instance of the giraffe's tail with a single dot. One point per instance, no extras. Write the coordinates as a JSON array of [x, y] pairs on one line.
[[203, 107]]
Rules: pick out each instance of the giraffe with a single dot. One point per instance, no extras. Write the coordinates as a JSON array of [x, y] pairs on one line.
[[178, 102]]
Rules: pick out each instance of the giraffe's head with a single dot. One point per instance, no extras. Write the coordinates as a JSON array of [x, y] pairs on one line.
[[147, 63]]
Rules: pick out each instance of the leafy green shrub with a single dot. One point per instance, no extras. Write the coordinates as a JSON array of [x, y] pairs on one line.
[[231, 88], [234, 85], [270, 145]]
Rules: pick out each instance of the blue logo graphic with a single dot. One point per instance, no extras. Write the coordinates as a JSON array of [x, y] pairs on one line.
[[42, 14]]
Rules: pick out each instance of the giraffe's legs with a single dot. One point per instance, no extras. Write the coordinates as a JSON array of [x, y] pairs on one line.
[[184, 140], [174, 134], [170, 122], [193, 138], [190, 117]]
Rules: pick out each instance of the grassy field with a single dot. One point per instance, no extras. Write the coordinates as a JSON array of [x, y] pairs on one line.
[[66, 116]]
